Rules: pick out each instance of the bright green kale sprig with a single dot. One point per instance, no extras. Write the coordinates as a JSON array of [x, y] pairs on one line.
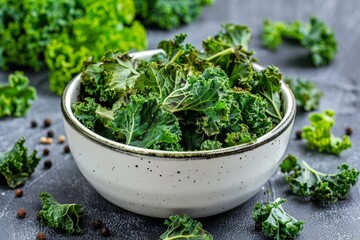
[[271, 218], [316, 36], [306, 94], [16, 166], [183, 227], [16, 97], [64, 217], [321, 187], [319, 135]]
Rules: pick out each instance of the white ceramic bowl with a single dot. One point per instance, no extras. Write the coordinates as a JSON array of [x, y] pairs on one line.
[[159, 183]]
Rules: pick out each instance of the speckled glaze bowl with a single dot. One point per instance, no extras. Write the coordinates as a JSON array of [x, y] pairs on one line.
[[160, 183]]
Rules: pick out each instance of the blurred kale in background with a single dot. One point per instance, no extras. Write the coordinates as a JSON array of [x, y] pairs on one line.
[[165, 14], [61, 34]]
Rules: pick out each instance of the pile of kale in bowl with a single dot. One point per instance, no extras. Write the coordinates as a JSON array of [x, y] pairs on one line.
[[184, 100]]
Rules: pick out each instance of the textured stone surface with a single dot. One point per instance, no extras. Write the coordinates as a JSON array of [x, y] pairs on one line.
[[340, 81]]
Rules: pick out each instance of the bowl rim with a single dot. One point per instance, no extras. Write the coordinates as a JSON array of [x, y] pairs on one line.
[[68, 116]]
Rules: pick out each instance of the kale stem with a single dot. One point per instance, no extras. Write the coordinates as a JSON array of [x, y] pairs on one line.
[[178, 54], [222, 53], [278, 114], [316, 173]]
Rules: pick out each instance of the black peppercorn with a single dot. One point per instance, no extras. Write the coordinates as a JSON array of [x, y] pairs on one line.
[[33, 124], [21, 212], [50, 133], [19, 192], [46, 151], [47, 164], [298, 134], [66, 149], [348, 131], [47, 122], [97, 223], [105, 231]]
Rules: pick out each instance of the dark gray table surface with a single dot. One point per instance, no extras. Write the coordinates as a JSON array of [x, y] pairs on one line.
[[340, 82]]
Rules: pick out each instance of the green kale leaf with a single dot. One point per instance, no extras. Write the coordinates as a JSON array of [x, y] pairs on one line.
[[183, 227], [306, 94], [274, 32], [231, 35], [210, 145], [85, 112], [319, 135], [17, 96], [63, 217], [27, 27], [62, 34], [316, 36], [275, 222], [64, 55], [320, 41], [145, 124], [206, 94], [267, 83], [111, 79], [16, 166], [166, 14], [321, 187], [253, 110]]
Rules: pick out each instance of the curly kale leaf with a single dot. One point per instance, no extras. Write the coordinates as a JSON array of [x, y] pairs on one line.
[[275, 222], [253, 110], [316, 36], [267, 83], [320, 41], [111, 79], [85, 112], [90, 36], [274, 32], [319, 135], [161, 80], [145, 124], [64, 217], [183, 54], [166, 14], [16, 166], [231, 35], [206, 94], [210, 145], [229, 50], [306, 94], [16, 97], [183, 227], [306, 181], [239, 135], [27, 27]]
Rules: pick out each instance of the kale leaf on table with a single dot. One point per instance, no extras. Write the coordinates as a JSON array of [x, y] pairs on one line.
[[321, 187], [315, 35], [319, 135], [16, 166], [183, 227], [306, 94], [166, 14], [271, 218], [16, 97], [64, 217], [185, 99]]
